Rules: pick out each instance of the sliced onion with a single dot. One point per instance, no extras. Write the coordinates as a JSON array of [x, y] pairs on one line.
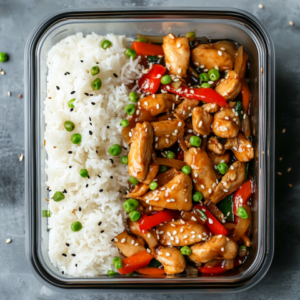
[[238, 60], [164, 178], [176, 84], [228, 264], [215, 211], [149, 238], [191, 270], [246, 240], [213, 263], [169, 162], [242, 225], [152, 38], [191, 216], [246, 125]]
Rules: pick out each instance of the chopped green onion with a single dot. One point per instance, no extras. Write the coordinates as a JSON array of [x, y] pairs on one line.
[[58, 196], [95, 70], [46, 213]]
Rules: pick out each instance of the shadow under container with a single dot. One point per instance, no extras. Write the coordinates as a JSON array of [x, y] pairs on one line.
[[213, 23]]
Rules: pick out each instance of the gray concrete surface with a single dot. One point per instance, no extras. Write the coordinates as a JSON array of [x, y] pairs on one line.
[[18, 17]]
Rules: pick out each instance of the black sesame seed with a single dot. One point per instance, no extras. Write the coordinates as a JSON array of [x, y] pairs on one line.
[[115, 75], [64, 191], [67, 244], [102, 231], [112, 161], [111, 177], [76, 265], [91, 95], [90, 119], [101, 191], [88, 176], [70, 167], [112, 240], [99, 223], [62, 272], [97, 63], [86, 94], [120, 192], [96, 151], [124, 148], [107, 127], [86, 185], [50, 190], [91, 124], [65, 255], [57, 87], [79, 208], [93, 103], [81, 60], [47, 188], [65, 74], [90, 132], [68, 73], [99, 176], [73, 92], [73, 254], [71, 109]]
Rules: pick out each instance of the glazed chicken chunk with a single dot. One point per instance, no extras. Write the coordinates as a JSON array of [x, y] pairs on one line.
[[202, 171], [202, 121], [230, 87], [215, 146], [166, 133], [226, 123], [206, 55], [177, 54], [211, 107], [217, 159], [230, 182], [139, 155], [185, 108], [244, 152], [181, 233], [171, 258], [161, 103], [128, 244], [218, 247], [176, 194]]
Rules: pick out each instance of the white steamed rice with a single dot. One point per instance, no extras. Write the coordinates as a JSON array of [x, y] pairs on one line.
[[77, 54]]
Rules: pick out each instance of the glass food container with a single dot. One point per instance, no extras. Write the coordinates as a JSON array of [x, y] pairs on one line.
[[214, 23]]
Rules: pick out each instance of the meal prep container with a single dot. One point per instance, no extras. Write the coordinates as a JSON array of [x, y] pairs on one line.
[[213, 23]]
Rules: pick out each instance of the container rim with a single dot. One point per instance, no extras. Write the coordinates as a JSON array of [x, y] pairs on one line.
[[30, 188]]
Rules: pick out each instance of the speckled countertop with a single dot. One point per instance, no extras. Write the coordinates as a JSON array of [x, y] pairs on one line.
[[17, 18]]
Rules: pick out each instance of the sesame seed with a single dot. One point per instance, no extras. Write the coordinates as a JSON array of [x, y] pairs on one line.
[[193, 236], [200, 124], [234, 148], [232, 167], [289, 169], [209, 191], [178, 45], [225, 190], [168, 254], [148, 250], [226, 118], [171, 36], [182, 221], [179, 71], [168, 233], [123, 241], [210, 221], [2, 73], [9, 93], [185, 237], [279, 173], [210, 82], [136, 244], [291, 23], [186, 200], [290, 185], [204, 234], [283, 130], [179, 124], [260, 6], [8, 241], [222, 249], [202, 186], [193, 219]]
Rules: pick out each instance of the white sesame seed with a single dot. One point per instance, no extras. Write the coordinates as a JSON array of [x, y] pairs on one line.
[[209, 191], [226, 118], [21, 157], [148, 250], [157, 106], [220, 53], [171, 36], [146, 103], [232, 167], [130, 134], [193, 236], [181, 230], [291, 23], [9, 93], [225, 190], [202, 67], [222, 249], [234, 148], [172, 238], [200, 124], [156, 145], [168, 254], [178, 45], [216, 67], [8, 241], [182, 221], [241, 200], [173, 225], [260, 6], [174, 232], [123, 241], [210, 82], [116, 240], [202, 186], [200, 236], [210, 221], [147, 201], [186, 200], [193, 219], [168, 87], [167, 141], [158, 76], [179, 124], [248, 146], [132, 242], [185, 237], [168, 233], [204, 234]]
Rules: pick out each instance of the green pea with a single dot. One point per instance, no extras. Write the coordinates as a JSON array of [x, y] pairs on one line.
[[242, 213], [130, 53], [133, 97], [205, 85], [133, 180], [3, 57], [76, 138], [116, 259], [141, 40], [111, 273], [222, 168], [124, 123], [106, 44], [243, 247], [195, 141], [58, 196], [190, 36], [153, 185], [152, 59], [95, 70], [115, 150], [166, 79], [202, 214], [197, 196], [213, 74], [76, 226], [70, 103], [130, 109], [119, 264], [185, 250], [83, 173], [130, 205], [96, 84], [171, 154], [204, 77], [134, 216], [69, 126], [186, 170], [124, 160], [163, 169]]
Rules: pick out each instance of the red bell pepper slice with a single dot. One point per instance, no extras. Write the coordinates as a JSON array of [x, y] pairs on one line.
[[242, 195], [207, 95], [212, 223], [151, 271], [150, 82], [147, 222], [135, 262], [219, 269], [142, 48]]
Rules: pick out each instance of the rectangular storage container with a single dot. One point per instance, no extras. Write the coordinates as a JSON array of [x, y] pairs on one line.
[[214, 23]]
